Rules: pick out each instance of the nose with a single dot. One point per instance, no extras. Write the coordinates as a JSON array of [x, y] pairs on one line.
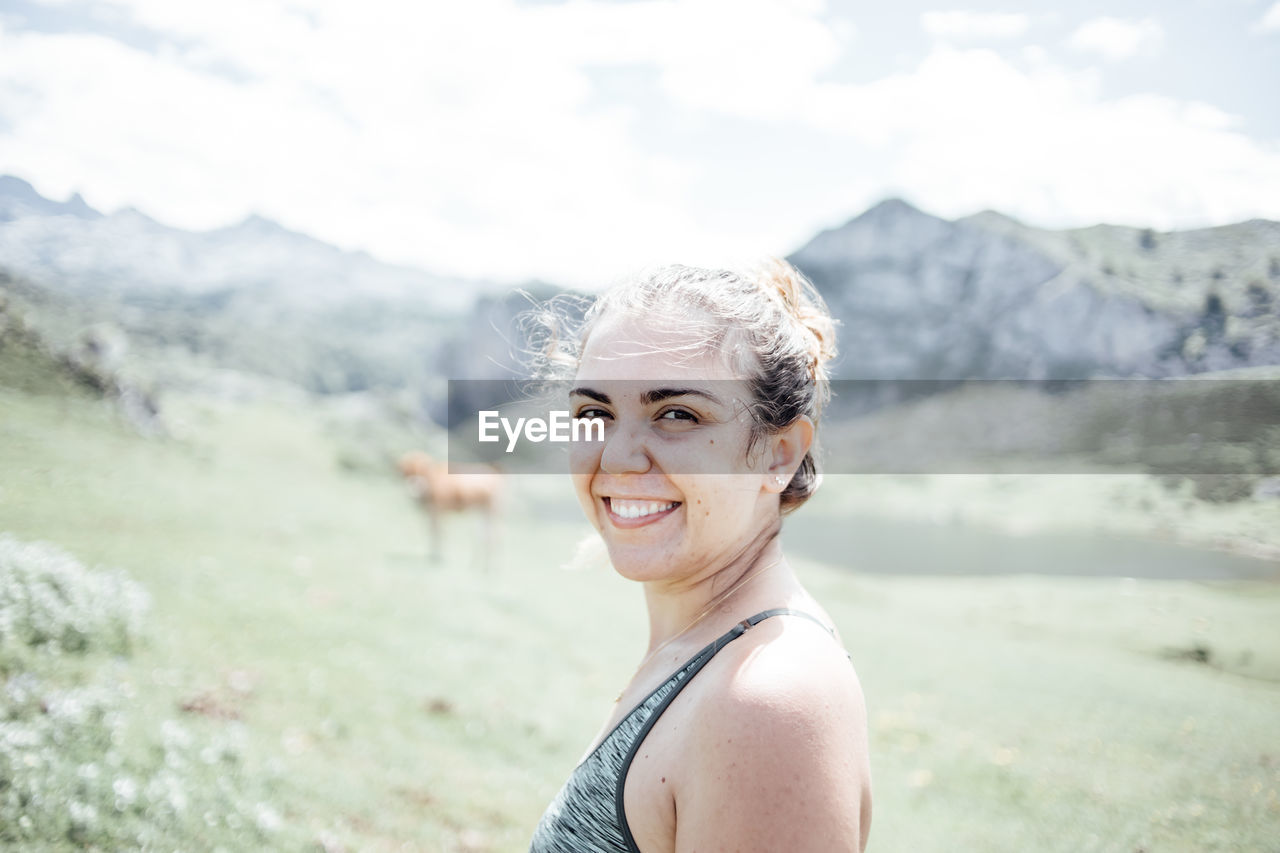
[[625, 451]]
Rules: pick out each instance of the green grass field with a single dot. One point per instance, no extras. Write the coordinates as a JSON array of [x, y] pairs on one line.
[[382, 703]]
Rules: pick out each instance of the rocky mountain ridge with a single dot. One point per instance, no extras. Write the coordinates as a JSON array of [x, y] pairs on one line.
[[920, 297], [81, 249]]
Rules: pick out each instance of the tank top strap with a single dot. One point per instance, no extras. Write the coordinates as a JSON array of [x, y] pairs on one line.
[[681, 679], [787, 611], [747, 624]]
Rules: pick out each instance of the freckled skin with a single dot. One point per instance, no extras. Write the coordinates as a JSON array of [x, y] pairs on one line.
[[767, 753]]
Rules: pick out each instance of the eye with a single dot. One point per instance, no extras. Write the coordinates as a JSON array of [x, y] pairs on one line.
[[590, 412], [678, 415]]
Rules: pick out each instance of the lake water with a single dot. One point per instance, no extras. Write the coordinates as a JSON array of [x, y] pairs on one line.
[[922, 548]]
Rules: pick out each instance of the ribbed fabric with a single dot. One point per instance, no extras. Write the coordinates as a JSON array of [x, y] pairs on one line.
[[587, 815]]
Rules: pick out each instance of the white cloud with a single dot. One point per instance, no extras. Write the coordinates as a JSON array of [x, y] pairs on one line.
[[1046, 148], [1270, 22], [470, 137], [448, 139], [456, 135], [960, 25], [968, 130], [1116, 39]]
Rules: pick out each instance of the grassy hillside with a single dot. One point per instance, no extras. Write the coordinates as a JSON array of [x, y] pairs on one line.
[[381, 703], [28, 364], [169, 335]]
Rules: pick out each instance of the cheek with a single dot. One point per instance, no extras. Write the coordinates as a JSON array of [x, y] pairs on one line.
[[727, 451], [743, 496], [584, 462], [582, 491], [719, 504], [584, 458]]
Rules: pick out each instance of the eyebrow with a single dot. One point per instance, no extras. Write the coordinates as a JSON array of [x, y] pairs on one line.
[[648, 398], [598, 396], [657, 395]]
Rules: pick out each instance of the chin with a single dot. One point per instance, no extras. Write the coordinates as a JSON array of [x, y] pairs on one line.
[[633, 565]]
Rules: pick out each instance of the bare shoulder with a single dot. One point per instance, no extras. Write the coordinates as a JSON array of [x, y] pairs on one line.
[[777, 756], [788, 656], [786, 665]]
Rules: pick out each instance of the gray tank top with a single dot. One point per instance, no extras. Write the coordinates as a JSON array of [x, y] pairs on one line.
[[587, 815]]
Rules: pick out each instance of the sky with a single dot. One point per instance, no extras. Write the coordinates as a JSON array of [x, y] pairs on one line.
[[574, 141]]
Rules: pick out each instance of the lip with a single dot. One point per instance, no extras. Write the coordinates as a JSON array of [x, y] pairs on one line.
[[644, 521]]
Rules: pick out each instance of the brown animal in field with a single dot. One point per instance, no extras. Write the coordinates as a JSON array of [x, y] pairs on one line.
[[439, 490]]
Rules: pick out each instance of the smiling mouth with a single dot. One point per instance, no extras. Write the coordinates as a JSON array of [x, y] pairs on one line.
[[628, 513]]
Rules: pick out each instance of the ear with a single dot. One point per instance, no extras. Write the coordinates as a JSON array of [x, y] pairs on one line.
[[787, 449]]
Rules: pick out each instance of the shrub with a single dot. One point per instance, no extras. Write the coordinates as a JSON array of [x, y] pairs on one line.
[[71, 776], [68, 779], [51, 603]]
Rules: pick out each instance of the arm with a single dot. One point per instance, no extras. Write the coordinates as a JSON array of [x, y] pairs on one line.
[[780, 763]]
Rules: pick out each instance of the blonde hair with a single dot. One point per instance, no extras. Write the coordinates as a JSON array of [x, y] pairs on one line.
[[769, 321]]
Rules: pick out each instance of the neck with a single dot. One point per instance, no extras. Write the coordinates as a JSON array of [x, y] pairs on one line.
[[759, 575]]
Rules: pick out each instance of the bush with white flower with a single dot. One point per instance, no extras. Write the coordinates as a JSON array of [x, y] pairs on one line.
[[70, 777], [51, 603]]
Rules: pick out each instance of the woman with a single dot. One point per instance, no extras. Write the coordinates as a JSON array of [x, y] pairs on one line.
[[743, 727]]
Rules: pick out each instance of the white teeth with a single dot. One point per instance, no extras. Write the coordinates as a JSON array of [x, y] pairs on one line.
[[638, 509]]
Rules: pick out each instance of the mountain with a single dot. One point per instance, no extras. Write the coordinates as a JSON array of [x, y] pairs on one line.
[[19, 199], [920, 297], [253, 297], [80, 249]]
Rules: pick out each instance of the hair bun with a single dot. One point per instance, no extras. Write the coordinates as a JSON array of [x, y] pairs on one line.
[[805, 306]]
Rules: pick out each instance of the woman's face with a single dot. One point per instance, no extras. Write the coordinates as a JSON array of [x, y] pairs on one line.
[[671, 488]]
